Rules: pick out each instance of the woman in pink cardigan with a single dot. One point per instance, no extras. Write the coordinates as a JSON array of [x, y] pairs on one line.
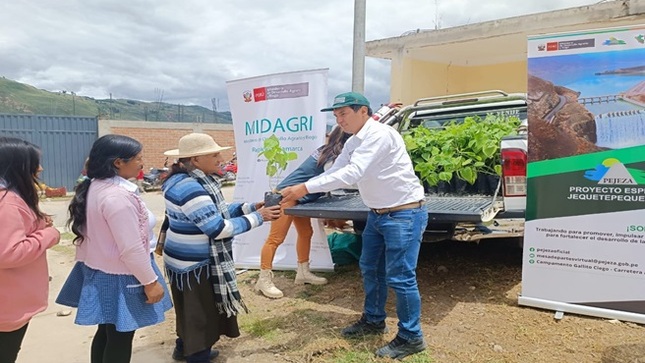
[[115, 282], [25, 235]]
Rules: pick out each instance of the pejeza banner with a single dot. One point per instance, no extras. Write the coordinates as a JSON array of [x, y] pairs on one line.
[[584, 246], [288, 106]]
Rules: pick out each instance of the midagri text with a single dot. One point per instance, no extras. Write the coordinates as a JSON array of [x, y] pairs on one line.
[[292, 124]]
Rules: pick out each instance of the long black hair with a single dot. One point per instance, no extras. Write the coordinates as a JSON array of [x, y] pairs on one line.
[[334, 145], [19, 162], [99, 165], [178, 167]]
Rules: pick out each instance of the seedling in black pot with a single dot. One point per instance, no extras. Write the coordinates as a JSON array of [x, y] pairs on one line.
[[277, 160]]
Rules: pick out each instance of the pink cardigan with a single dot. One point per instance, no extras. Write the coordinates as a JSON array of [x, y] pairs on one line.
[[24, 277], [116, 231]]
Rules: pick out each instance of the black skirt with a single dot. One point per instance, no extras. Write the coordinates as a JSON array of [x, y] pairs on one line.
[[199, 323]]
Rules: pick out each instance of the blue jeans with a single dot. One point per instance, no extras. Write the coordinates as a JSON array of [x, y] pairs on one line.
[[389, 257]]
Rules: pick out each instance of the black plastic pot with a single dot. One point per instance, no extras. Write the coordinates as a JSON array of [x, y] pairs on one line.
[[271, 199], [443, 187], [458, 185], [486, 183]]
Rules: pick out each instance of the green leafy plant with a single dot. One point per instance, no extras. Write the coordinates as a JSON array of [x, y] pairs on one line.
[[277, 159], [462, 149]]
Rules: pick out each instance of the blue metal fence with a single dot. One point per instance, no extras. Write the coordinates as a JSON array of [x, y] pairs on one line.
[[64, 140]]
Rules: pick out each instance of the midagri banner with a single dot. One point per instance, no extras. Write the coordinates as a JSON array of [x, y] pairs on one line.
[[286, 105], [584, 246]]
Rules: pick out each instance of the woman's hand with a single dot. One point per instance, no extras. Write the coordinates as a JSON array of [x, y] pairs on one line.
[[49, 223], [270, 213], [57, 238], [154, 292]]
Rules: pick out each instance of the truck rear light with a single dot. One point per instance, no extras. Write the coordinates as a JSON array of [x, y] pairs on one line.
[[514, 172]]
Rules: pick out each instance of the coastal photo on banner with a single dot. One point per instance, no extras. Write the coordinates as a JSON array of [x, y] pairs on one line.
[[288, 106], [584, 246]]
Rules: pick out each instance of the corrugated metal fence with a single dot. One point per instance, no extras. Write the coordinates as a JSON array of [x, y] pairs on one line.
[[64, 140]]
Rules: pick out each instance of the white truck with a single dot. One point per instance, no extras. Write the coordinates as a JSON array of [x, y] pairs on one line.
[[497, 212]]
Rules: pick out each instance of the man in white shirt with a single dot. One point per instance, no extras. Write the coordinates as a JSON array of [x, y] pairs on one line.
[[375, 159]]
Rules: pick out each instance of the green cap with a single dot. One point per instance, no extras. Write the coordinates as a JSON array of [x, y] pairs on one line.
[[347, 99]]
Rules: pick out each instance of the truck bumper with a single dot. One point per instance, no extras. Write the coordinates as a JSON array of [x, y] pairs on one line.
[[500, 228]]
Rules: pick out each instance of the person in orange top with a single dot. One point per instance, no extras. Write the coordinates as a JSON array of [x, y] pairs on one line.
[[320, 160], [25, 236]]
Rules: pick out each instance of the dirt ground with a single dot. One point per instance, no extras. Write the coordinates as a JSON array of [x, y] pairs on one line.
[[470, 314]]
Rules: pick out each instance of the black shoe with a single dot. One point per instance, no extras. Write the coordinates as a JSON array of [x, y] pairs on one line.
[[363, 327], [179, 355], [399, 348]]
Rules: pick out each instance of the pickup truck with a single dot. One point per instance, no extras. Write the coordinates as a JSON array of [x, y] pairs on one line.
[[497, 212]]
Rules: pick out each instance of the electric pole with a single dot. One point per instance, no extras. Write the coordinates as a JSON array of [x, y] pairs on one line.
[[215, 102], [358, 56]]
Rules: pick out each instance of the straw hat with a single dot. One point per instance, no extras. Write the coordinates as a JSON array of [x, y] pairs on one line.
[[195, 144]]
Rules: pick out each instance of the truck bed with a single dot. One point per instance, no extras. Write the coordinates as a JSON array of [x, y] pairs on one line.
[[455, 209]]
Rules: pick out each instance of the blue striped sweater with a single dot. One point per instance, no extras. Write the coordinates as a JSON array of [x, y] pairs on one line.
[[193, 218]]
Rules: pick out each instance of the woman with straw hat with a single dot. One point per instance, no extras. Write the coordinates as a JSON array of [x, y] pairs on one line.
[[198, 248]]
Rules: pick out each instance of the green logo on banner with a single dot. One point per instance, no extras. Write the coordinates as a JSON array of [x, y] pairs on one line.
[[612, 172], [605, 184]]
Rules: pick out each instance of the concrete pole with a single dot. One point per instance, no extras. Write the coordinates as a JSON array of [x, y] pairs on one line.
[[358, 59]]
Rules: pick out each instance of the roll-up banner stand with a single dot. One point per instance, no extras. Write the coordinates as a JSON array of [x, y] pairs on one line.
[[286, 105], [584, 246]]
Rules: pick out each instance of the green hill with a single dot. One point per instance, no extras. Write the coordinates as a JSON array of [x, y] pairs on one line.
[[20, 98]]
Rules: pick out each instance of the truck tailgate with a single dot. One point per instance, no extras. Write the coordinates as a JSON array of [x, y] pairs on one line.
[[440, 208]]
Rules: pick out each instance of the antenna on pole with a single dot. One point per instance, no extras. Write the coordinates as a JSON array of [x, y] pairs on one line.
[[437, 18]]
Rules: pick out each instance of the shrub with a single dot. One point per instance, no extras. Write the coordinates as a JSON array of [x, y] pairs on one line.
[[461, 150]]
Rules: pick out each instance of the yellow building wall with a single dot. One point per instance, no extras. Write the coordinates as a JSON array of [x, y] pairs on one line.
[[413, 79]]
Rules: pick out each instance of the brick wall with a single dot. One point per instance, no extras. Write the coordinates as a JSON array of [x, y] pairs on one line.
[[158, 137]]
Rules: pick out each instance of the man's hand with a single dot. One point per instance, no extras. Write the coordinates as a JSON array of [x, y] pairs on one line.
[[269, 213], [292, 194], [259, 205]]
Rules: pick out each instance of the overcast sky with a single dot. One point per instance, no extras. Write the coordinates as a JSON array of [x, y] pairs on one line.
[[188, 49]]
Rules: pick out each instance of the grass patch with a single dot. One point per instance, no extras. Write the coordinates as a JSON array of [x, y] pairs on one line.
[[312, 336], [262, 328], [422, 357], [310, 290], [350, 356], [286, 274], [248, 277], [314, 320], [67, 236], [364, 356], [343, 271], [69, 250]]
